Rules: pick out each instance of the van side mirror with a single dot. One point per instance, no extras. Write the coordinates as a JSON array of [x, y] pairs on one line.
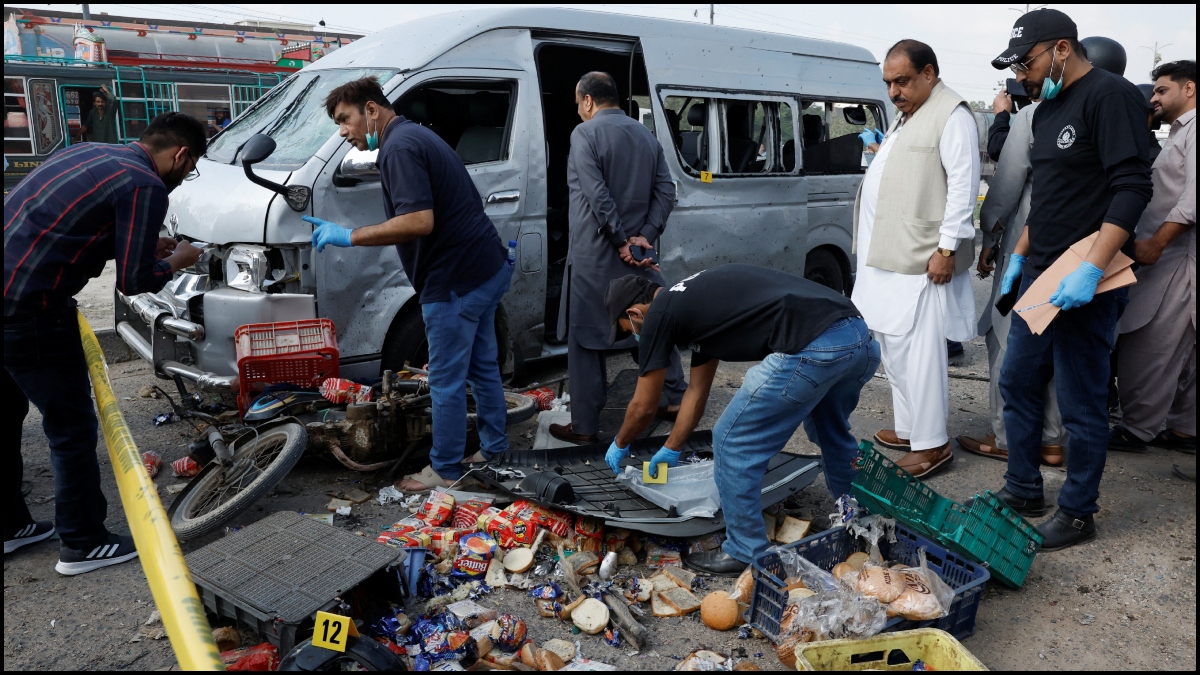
[[856, 115], [255, 150], [358, 166]]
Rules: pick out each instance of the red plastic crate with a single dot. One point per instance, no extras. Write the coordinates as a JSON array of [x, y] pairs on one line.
[[303, 353]]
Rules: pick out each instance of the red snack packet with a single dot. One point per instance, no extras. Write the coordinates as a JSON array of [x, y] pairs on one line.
[[340, 390], [509, 533], [442, 540], [436, 509], [406, 540], [589, 527], [466, 515], [185, 467], [557, 522], [543, 396], [152, 461], [264, 656]]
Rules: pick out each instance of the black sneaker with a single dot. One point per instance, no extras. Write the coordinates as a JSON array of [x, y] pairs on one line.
[[116, 549], [1123, 440], [33, 532]]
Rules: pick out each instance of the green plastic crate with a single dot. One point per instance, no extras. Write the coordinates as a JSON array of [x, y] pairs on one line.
[[989, 532]]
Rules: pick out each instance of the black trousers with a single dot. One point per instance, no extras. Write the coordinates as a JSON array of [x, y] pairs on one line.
[[588, 371]]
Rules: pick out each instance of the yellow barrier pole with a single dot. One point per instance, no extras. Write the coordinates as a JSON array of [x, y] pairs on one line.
[[162, 560]]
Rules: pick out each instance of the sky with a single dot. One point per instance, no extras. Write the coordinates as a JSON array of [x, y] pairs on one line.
[[965, 37]]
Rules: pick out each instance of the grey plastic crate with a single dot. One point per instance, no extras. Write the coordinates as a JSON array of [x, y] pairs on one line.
[[273, 576]]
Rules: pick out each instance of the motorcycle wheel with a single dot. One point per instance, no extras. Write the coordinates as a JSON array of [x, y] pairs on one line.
[[262, 456]]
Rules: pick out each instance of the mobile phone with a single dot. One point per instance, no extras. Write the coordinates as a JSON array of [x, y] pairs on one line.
[[639, 254], [1018, 94]]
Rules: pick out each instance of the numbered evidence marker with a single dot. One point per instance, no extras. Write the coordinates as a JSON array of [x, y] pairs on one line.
[[331, 631], [705, 176], [662, 474]]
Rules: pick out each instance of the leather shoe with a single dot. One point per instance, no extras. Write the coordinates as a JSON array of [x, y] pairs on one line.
[[1028, 508], [565, 432], [1063, 531], [716, 562], [922, 463], [888, 439], [985, 447], [665, 413]]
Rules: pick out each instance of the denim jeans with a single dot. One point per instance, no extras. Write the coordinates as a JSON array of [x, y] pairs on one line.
[[1074, 350], [462, 350], [818, 387], [44, 363]]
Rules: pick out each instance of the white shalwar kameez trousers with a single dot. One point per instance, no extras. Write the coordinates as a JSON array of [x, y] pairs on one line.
[[911, 316]]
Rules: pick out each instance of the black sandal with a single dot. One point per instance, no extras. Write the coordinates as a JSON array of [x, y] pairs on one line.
[[1122, 440], [1167, 438]]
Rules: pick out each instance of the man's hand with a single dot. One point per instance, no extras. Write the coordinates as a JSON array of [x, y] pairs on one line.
[[1002, 102], [166, 246], [1148, 251], [1077, 288], [984, 267], [627, 256], [940, 268], [1011, 273], [663, 456], [104, 88], [185, 255], [328, 233]]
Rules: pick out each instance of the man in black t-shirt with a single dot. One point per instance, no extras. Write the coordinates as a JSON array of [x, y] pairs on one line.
[[816, 356], [453, 257], [1090, 174]]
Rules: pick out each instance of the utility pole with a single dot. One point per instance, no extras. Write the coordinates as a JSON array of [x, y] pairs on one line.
[[712, 11], [87, 13], [1155, 50], [1028, 8]]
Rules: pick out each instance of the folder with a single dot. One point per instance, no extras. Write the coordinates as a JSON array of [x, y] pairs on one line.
[[1034, 306]]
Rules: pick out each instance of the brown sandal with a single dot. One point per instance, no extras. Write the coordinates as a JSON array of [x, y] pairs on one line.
[[985, 448], [1052, 455]]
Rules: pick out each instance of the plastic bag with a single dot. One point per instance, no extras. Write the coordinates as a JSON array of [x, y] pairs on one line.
[[690, 488], [925, 597], [832, 611]]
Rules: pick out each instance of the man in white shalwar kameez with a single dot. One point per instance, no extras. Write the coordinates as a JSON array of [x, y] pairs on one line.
[[915, 244]]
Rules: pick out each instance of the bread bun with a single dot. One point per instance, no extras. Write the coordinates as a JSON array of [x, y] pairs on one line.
[[548, 660], [743, 588], [857, 560], [718, 611], [842, 569], [882, 584], [917, 602]]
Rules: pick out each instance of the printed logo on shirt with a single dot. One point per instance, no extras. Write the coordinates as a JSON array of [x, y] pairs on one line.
[[1066, 137], [680, 286]]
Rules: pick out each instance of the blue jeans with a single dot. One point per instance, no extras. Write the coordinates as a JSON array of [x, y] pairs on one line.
[[462, 350], [818, 387], [1074, 350], [44, 363]]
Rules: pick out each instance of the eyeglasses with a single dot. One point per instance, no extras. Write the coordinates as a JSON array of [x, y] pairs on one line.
[[1023, 66], [194, 173]]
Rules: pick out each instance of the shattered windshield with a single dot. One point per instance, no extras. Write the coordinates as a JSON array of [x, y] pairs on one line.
[[292, 113]]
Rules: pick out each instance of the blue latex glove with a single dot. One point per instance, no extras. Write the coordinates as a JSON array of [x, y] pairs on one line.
[[878, 136], [328, 233], [867, 137], [1012, 273], [670, 457], [1078, 287], [614, 456]]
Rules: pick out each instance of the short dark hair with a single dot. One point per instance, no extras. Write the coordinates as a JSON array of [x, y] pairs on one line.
[[919, 55], [173, 129], [357, 93], [600, 86], [1179, 71], [99, 95]]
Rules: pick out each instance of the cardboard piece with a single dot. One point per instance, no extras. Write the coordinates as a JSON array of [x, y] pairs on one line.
[[1034, 306]]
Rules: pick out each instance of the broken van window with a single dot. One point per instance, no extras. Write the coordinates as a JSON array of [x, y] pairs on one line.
[[687, 118], [473, 117]]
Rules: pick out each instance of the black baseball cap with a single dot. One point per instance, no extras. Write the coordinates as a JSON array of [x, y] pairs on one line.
[[622, 293], [1040, 25]]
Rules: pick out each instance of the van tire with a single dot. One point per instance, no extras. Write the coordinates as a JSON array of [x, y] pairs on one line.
[[406, 342], [822, 266]]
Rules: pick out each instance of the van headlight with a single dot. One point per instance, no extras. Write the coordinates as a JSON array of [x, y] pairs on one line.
[[246, 268]]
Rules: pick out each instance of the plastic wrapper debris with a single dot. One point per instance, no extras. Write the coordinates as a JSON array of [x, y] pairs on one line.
[[437, 638], [152, 461], [164, 418], [508, 633], [543, 396], [708, 542], [466, 515], [612, 637], [388, 495], [833, 611], [847, 509], [185, 467], [263, 656], [435, 511], [471, 613], [341, 390], [661, 554], [547, 591], [475, 551], [690, 489], [392, 626], [583, 665], [925, 597], [556, 521]]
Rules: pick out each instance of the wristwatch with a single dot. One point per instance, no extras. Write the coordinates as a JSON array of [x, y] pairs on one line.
[[946, 252]]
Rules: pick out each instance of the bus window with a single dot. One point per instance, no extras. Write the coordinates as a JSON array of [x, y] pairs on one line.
[[18, 139], [208, 103]]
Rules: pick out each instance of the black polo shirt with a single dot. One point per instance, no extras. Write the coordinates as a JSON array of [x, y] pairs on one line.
[[420, 171]]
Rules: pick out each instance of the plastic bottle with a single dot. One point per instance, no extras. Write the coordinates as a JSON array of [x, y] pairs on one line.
[[512, 252]]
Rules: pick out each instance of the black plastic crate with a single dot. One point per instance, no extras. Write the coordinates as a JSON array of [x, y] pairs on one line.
[[966, 577]]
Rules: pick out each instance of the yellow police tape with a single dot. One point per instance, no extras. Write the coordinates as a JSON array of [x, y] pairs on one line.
[[170, 583]]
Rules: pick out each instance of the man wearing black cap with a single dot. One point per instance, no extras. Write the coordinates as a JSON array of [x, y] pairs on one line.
[[816, 355], [1091, 174]]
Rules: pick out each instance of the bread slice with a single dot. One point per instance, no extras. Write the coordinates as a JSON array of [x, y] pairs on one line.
[[683, 578], [662, 582], [769, 521], [681, 599], [792, 530], [564, 649], [658, 607]]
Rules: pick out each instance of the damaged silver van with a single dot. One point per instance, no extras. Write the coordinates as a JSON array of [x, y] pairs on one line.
[[760, 131]]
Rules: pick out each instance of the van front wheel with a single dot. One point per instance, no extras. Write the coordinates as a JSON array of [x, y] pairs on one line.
[[822, 267]]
